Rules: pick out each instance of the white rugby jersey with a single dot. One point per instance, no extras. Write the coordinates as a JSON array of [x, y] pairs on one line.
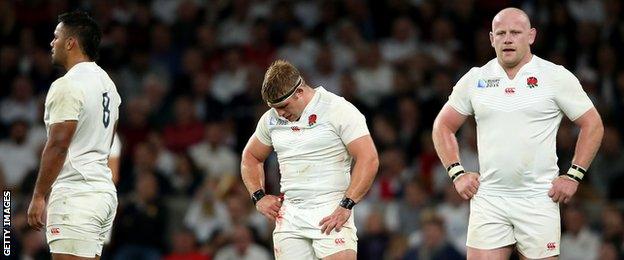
[[314, 163], [86, 94], [517, 122]]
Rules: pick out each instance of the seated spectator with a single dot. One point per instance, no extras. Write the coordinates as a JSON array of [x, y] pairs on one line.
[[434, 242], [242, 247]]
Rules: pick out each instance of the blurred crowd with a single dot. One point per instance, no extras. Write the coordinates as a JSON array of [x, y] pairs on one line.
[[190, 71]]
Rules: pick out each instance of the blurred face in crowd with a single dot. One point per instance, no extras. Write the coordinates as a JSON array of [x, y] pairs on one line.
[[511, 37]]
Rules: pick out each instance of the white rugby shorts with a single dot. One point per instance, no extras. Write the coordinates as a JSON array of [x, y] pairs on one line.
[[297, 233], [78, 222], [533, 224]]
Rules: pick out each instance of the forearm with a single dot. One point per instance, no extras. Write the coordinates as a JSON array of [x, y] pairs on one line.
[[445, 144], [587, 144], [52, 161], [364, 172], [252, 173]]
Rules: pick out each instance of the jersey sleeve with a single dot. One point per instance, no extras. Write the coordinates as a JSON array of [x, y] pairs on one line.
[[350, 123], [65, 102], [262, 129], [570, 96], [460, 97]]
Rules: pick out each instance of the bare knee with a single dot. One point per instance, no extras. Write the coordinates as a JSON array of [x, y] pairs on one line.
[[522, 257], [502, 253], [348, 254], [56, 256]]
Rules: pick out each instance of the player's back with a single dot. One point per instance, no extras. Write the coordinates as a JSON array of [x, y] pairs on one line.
[[96, 97]]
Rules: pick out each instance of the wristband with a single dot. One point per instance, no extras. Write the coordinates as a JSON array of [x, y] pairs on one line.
[[576, 172], [347, 203], [455, 170], [257, 195]]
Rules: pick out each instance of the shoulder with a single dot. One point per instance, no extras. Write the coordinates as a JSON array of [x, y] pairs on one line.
[[64, 85], [338, 105], [558, 73], [270, 118], [489, 69]]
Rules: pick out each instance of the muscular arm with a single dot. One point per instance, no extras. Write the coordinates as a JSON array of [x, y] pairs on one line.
[[589, 138], [445, 126], [53, 156], [252, 163], [587, 145], [366, 164]]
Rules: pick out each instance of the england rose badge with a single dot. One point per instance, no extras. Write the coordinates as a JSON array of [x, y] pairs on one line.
[[312, 119], [531, 82]]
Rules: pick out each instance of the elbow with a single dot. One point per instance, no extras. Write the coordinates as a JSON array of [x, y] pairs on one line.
[[596, 127], [59, 147], [374, 163]]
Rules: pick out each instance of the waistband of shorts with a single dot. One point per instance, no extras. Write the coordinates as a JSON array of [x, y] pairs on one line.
[[311, 203], [512, 194], [297, 168]]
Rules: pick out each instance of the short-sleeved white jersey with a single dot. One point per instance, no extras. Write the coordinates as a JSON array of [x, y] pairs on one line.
[[517, 122], [88, 95], [314, 163]]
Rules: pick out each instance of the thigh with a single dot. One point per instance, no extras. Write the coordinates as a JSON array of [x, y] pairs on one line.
[[80, 216], [342, 255], [537, 227], [335, 243], [73, 249], [502, 253], [488, 224], [287, 245]]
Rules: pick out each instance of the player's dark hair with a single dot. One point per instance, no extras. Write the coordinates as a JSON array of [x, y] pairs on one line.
[[88, 32]]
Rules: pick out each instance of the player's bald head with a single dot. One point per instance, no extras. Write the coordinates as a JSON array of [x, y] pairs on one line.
[[511, 14]]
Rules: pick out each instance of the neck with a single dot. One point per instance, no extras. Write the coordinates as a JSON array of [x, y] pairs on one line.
[[72, 61], [309, 93], [512, 71]]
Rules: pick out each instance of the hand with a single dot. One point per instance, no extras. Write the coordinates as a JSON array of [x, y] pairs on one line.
[[35, 212], [563, 189], [335, 221], [467, 185], [269, 206]]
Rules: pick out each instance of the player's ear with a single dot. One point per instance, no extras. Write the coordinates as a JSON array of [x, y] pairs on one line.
[[70, 43], [298, 92], [492, 39], [532, 35]]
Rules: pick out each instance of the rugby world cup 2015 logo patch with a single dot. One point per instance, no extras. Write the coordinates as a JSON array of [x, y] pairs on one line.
[[488, 83], [531, 82]]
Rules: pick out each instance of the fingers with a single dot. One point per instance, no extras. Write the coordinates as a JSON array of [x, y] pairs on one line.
[[473, 190], [34, 221], [327, 224], [331, 222], [325, 219], [271, 217], [269, 206], [559, 196], [328, 227], [275, 207]]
